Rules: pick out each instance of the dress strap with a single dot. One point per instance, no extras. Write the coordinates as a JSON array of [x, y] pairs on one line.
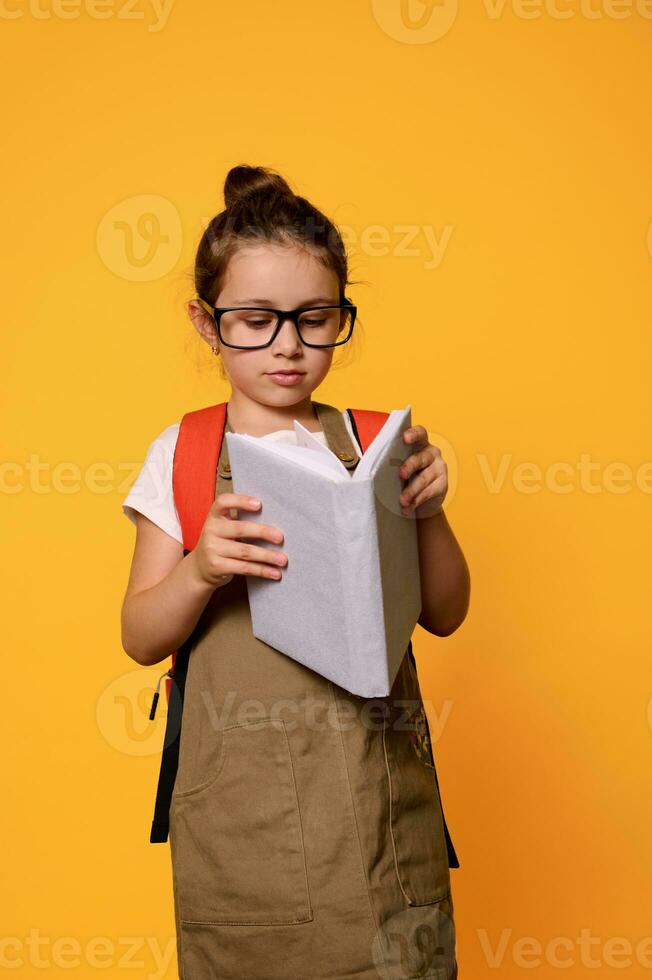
[[224, 480], [337, 435]]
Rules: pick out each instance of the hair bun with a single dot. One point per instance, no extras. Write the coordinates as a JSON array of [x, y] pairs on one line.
[[243, 181]]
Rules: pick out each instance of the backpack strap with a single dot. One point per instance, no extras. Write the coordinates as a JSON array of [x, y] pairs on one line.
[[366, 423], [453, 860], [194, 468], [195, 464]]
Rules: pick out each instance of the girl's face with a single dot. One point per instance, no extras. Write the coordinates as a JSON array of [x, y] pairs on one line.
[[283, 277]]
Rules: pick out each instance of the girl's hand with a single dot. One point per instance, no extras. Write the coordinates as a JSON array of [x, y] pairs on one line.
[[427, 474], [219, 555]]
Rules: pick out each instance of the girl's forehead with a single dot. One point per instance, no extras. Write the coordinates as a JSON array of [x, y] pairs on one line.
[[272, 254], [268, 267]]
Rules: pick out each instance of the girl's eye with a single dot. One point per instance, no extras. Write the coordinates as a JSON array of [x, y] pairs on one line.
[[257, 323], [313, 323]]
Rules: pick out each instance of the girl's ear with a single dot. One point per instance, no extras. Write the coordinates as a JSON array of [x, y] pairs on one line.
[[203, 322]]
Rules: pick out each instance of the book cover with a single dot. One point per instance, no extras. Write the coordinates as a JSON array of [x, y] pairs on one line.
[[350, 594]]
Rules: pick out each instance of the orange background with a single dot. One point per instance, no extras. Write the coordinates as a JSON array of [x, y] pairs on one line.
[[517, 137]]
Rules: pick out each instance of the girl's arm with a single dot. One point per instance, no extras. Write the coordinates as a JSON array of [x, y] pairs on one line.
[[445, 578], [165, 596], [168, 592]]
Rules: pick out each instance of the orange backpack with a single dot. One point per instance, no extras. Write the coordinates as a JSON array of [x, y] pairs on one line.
[[194, 472]]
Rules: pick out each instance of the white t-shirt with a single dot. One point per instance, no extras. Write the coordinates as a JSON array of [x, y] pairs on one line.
[[151, 492]]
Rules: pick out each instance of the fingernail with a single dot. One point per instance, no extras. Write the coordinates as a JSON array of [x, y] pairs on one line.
[[255, 502]]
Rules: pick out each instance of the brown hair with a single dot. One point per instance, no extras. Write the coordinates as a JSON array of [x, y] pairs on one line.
[[261, 207]]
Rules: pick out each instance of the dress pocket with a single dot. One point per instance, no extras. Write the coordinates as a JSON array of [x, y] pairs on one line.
[[416, 817], [236, 839]]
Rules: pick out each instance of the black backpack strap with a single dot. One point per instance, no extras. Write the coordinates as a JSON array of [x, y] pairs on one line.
[[453, 860], [170, 755]]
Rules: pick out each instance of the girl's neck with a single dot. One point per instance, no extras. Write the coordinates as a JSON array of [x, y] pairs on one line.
[[246, 415]]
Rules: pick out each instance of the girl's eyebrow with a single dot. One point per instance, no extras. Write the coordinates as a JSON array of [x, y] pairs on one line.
[[269, 302]]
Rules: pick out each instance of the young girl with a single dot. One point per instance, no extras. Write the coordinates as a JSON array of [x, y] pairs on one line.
[[306, 830]]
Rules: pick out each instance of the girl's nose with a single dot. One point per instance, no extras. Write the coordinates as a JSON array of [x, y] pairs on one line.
[[287, 339]]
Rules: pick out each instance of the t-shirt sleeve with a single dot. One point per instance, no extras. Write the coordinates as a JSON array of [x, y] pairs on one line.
[[151, 492]]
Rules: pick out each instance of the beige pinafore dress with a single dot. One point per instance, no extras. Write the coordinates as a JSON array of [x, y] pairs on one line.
[[306, 829]]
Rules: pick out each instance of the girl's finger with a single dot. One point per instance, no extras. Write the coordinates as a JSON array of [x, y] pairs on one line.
[[249, 529], [418, 483], [415, 434], [228, 501], [416, 462], [239, 566], [252, 553]]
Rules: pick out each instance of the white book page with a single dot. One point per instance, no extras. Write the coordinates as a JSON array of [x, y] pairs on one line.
[[307, 439], [315, 456], [326, 464], [396, 422]]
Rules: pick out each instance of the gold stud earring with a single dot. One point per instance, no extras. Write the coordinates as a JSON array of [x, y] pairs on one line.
[[215, 350]]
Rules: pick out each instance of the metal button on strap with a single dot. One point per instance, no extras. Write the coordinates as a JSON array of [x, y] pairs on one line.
[[226, 467], [345, 457]]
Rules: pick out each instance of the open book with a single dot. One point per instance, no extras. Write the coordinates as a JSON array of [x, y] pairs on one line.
[[350, 595]]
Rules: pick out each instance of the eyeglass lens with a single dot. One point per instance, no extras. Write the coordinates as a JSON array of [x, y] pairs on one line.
[[251, 328]]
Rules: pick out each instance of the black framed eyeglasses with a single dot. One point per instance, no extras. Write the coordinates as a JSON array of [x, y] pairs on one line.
[[246, 328]]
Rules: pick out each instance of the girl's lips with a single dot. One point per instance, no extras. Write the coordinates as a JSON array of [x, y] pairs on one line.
[[287, 379]]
